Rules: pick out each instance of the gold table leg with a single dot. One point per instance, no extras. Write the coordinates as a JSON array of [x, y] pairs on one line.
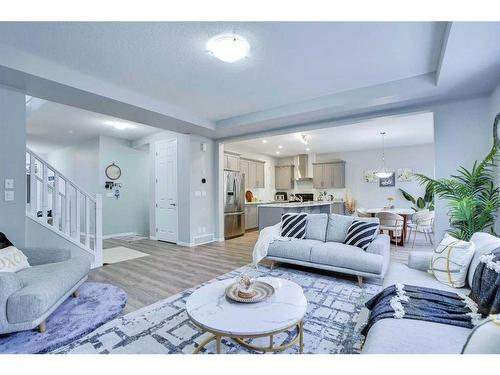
[[219, 344], [301, 337]]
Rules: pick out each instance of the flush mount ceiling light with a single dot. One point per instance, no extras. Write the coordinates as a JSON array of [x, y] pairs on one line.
[[383, 172], [228, 47]]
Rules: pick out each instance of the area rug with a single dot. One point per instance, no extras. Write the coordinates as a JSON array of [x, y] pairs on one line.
[[75, 318], [120, 254], [330, 324]]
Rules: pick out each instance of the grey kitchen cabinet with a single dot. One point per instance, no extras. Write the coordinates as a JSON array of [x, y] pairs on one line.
[[251, 216], [283, 176], [254, 173], [231, 162], [329, 174]]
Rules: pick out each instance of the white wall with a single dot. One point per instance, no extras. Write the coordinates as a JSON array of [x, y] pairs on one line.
[[129, 213], [79, 163], [266, 193], [495, 110], [13, 164]]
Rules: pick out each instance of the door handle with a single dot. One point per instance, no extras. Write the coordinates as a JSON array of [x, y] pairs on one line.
[[173, 204]]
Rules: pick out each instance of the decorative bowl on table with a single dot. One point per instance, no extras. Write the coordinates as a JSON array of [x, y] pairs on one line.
[[247, 290]]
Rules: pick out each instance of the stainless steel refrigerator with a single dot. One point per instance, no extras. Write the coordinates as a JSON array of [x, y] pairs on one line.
[[234, 204]]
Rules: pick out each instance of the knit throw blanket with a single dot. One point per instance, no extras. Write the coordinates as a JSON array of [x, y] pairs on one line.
[[486, 283], [412, 302]]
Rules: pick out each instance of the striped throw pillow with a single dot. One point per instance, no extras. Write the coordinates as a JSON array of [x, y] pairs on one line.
[[361, 233], [293, 225]]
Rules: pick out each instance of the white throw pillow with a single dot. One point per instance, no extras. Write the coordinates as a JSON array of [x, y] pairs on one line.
[[485, 338], [12, 260], [450, 261]]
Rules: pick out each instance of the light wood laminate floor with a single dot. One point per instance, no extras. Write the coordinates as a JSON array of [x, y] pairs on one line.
[[170, 269]]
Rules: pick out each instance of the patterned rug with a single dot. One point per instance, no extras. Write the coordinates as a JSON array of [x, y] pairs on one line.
[[164, 327], [75, 318]]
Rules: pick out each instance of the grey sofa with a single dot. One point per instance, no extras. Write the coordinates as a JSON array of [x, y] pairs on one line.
[[323, 248], [29, 296], [406, 336]]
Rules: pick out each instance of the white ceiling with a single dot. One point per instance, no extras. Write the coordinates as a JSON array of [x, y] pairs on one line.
[[51, 126], [401, 131], [289, 62]]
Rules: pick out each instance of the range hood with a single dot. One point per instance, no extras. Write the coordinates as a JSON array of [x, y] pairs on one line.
[[303, 172]]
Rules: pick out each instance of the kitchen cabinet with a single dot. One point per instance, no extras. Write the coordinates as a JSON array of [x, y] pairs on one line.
[[329, 175], [283, 176], [251, 216], [254, 173], [231, 162]]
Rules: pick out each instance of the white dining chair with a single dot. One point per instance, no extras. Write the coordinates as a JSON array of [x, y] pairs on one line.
[[422, 222], [362, 213], [392, 223]]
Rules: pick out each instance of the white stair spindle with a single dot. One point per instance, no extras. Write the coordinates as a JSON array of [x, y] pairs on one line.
[[67, 209], [77, 215], [56, 208], [98, 231], [33, 186], [45, 192], [87, 221]]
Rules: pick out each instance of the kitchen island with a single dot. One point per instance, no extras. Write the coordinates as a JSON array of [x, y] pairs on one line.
[[270, 214]]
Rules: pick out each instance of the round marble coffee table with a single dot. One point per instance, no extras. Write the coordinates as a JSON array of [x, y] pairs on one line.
[[210, 310]]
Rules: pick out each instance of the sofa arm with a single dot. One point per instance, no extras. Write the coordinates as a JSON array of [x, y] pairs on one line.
[[420, 260], [380, 245], [9, 284], [38, 256]]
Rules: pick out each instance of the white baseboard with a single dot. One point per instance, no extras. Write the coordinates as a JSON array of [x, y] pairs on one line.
[[108, 236], [186, 244], [153, 238], [219, 239]]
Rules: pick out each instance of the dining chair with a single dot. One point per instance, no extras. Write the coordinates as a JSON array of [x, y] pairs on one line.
[[422, 222], [392, 223], [362, 213]]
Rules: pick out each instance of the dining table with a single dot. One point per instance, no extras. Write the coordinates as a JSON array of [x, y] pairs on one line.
[[404, 212]]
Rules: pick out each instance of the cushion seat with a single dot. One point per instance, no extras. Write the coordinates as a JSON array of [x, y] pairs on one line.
[[346, 256], [44, 285], [293, 249]]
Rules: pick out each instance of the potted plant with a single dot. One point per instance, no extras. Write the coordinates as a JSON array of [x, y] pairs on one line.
[[473, 199], [421, 203]]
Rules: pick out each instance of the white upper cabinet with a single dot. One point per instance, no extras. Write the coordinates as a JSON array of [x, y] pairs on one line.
[[283, 177], [329, 175]]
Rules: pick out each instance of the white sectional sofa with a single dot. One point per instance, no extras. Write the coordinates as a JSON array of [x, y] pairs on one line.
[[407, 336]]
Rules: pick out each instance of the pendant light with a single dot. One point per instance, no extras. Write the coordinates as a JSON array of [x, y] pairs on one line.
[[383, 172]]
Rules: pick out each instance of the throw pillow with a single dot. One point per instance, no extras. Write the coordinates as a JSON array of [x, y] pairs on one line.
[[4, 241], [361, 233], [316, 226], [450, 261], [484, 338], [12, 260], [293, 225], [337, 227]]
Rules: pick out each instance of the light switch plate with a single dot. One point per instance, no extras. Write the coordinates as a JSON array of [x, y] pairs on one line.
[[9, 195], [9, 183]]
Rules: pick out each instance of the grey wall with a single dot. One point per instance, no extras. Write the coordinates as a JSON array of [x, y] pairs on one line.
[[129, 213], [37, 236], [13, 163], [79, 163]]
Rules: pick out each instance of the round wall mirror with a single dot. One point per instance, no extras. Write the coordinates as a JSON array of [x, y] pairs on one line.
[[496, 130], [113, 172]]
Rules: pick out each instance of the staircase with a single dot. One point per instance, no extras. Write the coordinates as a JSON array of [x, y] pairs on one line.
[[63, 207]]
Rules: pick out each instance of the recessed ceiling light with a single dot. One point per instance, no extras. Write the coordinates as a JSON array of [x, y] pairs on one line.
[[280, 147], [120, 125], [228, 47], [308, 149], [277, 152], [70, 131], [264, 141]]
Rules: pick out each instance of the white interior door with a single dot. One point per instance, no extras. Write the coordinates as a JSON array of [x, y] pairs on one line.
[[166, 190]]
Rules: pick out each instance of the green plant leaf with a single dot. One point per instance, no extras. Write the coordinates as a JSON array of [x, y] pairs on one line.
[[407, 196], [421, 203]]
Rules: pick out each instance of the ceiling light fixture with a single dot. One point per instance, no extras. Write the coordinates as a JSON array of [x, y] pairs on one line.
[[228, 47], [120, 125], [277, 152], [383, 172], [280, 147], [264, 141], [308, 149]]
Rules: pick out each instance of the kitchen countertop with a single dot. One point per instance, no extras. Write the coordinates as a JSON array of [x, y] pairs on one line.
[[304, 204], [260, 202]]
